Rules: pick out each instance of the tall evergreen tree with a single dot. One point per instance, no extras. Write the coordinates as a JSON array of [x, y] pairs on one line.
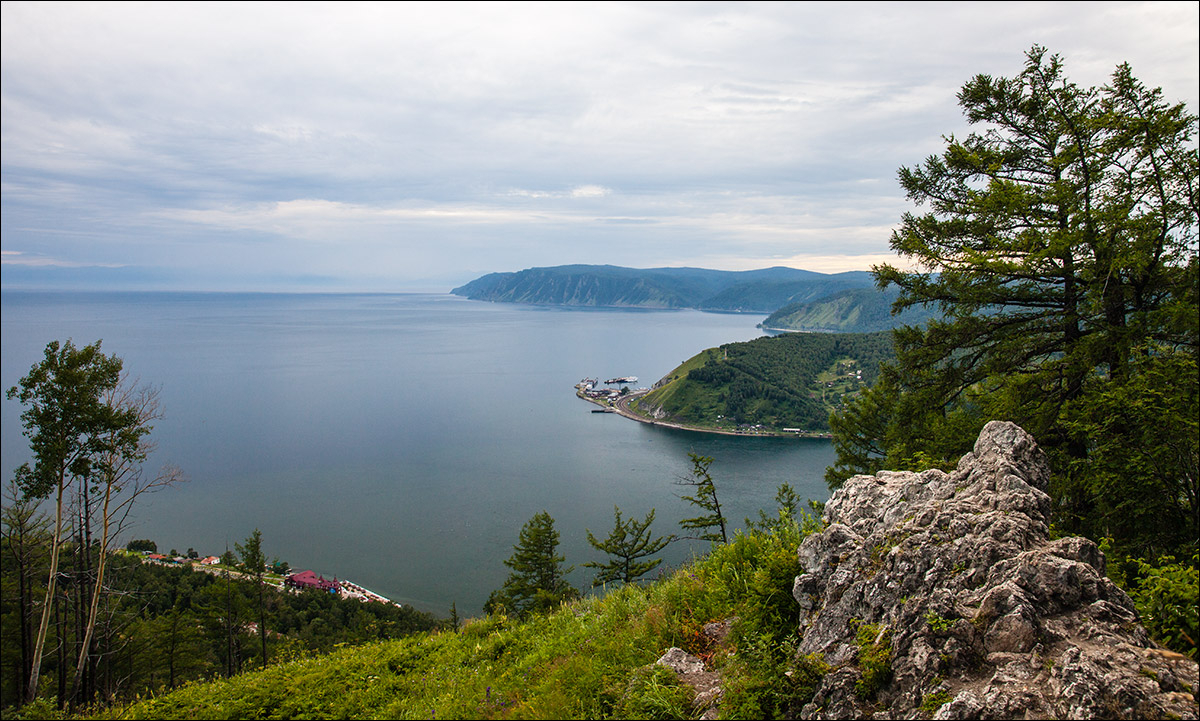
[[626, 543], [254, 563], [538, 579], [1060, 247], [24, 541]]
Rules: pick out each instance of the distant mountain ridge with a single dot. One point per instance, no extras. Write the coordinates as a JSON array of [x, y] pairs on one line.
[[752, 291], [854, 310]]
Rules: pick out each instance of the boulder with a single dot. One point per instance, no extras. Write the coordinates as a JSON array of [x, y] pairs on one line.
[[952, 578]]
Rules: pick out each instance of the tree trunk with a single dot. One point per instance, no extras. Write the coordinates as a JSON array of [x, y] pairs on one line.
[[93, 608], [35, 663], [262, 620], [61, 617]]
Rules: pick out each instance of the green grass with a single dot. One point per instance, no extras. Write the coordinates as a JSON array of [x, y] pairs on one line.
[[678, 393], [588, 659]]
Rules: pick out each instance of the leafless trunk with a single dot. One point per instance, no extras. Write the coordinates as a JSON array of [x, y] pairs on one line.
[[35, 662], [123, 483]]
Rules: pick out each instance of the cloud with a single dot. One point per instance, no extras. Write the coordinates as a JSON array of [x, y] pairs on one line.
[[589, 191], [579, 191], [18, 258], [411, 137]]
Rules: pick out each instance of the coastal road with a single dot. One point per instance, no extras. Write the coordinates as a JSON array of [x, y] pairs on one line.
[[622, 407]]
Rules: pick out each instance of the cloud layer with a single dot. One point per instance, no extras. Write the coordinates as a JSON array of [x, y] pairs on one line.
[[414, 146]]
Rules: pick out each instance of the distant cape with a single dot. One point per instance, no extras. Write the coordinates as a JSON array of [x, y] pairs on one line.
[[600, 286]]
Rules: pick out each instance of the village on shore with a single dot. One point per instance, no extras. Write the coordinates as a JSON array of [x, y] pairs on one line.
[[296, 582], [614, 400]]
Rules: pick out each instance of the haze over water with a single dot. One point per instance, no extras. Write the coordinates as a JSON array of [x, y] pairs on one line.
[[401, 441]]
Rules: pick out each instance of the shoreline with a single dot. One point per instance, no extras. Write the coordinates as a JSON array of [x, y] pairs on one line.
[[621, 407], [346, 589]]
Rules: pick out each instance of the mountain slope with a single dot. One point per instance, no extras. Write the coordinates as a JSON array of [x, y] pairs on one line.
[[854, 310], [754, 291]]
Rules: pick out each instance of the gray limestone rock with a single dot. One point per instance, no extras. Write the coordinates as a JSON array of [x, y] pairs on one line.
[[692, 672], [986, 617]]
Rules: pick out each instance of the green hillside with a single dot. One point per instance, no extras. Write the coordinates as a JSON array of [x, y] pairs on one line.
[[589, 659], [787, 381], [854, 310]]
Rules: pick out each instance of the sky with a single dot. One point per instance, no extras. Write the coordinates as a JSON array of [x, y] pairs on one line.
[[415, 146]]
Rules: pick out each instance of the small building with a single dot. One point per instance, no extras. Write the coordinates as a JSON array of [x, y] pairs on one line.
[[305, 580], [210, 560]]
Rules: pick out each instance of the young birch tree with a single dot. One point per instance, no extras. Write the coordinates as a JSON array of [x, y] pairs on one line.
[[69, 428]]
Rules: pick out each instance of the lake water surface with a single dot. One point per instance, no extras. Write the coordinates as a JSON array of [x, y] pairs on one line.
[[401, 441]]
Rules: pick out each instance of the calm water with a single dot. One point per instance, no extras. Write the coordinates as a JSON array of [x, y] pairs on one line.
[[402, 440]]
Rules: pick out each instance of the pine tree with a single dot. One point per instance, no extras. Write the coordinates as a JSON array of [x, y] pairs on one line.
[[254, 562], [627, 542], [1059, 244], [538, 580], [705, 499]]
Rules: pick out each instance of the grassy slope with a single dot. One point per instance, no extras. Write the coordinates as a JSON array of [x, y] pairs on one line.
[[677, 392], [582, 661]]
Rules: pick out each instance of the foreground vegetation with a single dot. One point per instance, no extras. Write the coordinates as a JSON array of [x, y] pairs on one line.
[[583, 659], [588, 658], [162, 626]]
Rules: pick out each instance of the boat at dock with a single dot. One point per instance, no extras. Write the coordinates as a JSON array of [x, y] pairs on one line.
[[623, 379]]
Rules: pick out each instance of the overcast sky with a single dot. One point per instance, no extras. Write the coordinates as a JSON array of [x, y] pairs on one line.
[[412, 146]]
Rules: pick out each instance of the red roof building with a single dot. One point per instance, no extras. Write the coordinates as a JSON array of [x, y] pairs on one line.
[[307, 579]]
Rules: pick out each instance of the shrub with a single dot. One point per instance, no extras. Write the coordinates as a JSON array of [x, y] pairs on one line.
[[1165, 596], [874, 659], [933, 701]]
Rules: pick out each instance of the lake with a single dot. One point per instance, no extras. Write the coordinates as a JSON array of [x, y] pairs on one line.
[[402, 440]]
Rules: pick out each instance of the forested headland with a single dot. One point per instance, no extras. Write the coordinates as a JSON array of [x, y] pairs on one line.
[[750, 291], [788, 381]]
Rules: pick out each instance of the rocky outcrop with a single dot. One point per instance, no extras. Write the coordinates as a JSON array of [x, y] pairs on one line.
[[940, 595], [692, 671]]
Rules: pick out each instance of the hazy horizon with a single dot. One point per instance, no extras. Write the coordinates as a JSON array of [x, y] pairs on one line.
[[416, 146]]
